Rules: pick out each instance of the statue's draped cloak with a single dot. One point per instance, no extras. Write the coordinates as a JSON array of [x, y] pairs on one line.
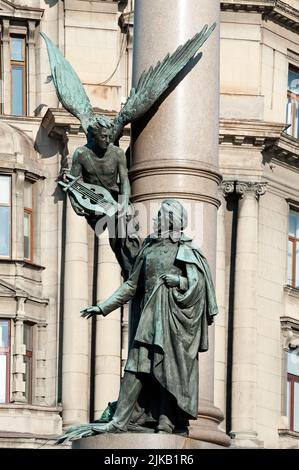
[[169, 327]]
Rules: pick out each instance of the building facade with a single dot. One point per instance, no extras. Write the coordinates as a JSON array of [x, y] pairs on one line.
[[52, 363]]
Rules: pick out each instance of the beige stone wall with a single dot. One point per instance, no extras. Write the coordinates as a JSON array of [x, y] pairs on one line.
[[255, 54], [89, 36]]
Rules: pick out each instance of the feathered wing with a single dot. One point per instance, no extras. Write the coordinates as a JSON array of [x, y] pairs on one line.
[[155, 81], [69, 88]]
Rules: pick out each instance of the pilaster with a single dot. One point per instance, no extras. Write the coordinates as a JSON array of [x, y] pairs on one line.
[[19, 351], [245, 327]]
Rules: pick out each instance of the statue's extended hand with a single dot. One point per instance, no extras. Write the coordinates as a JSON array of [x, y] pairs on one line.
[[90, 311], [171, 280]]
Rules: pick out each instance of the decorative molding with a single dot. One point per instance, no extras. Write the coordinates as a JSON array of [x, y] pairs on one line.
[[242, 132], [293, 292], [13, 10], [58, 122], [293, 57], [289, 329], [5, 30], [227, 188], [295, 204], [277, 11], [285, 150], [260, 6], [248, 187], [285, 15], [8, 290], [182, 195]]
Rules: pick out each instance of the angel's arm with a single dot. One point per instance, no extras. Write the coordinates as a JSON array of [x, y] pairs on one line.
[[125, 187], [76, 170]]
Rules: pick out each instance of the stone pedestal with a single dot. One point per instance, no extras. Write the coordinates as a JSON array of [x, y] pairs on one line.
[[141, 441]]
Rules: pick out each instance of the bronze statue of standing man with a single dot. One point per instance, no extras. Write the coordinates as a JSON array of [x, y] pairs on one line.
[[173, 302]]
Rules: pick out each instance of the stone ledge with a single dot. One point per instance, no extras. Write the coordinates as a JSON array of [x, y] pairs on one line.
[[141, 441], [249, 132], [30, 420], [277, 11]]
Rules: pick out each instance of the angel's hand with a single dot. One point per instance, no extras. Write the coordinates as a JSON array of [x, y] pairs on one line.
[[77, 207], [90, 311], [79, 211]]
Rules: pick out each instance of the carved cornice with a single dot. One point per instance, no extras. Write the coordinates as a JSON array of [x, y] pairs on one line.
[[248, 5], [285, 150], [284, 15], [244, 188], [249, 132], [13, 10], [290, 331], [276, 10], [58, 122], [7, 290]]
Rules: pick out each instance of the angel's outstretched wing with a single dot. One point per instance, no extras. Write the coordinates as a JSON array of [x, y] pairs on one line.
[[155, 81], [69, 88]]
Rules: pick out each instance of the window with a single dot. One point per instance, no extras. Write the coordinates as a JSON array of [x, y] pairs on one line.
[[293, 389], [293, 102], [4, 360], [293, 249], [28, 341], [5, 215], [18, 75], [28, 219]]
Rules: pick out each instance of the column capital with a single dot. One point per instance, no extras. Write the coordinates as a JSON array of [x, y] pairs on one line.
[[227, 188], [244, 188]]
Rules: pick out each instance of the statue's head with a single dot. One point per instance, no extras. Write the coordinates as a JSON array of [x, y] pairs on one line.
[[172, 218], [99, 135]]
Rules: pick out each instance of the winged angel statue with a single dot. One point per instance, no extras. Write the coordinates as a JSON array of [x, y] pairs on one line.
[[98, 183]]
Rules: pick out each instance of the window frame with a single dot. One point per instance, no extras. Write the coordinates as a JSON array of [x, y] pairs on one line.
[[29, 211], [23, 65], [9, 176], [8, 362], [29, 356], [294, 240], [295, 105]]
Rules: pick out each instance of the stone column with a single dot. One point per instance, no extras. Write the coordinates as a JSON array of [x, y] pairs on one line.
[[175, 154], [75, 367], [31, 67], [19, 351], [221, 319], [108, 332], [6, 99], [244, 367], [41, 371], [18, 215]]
